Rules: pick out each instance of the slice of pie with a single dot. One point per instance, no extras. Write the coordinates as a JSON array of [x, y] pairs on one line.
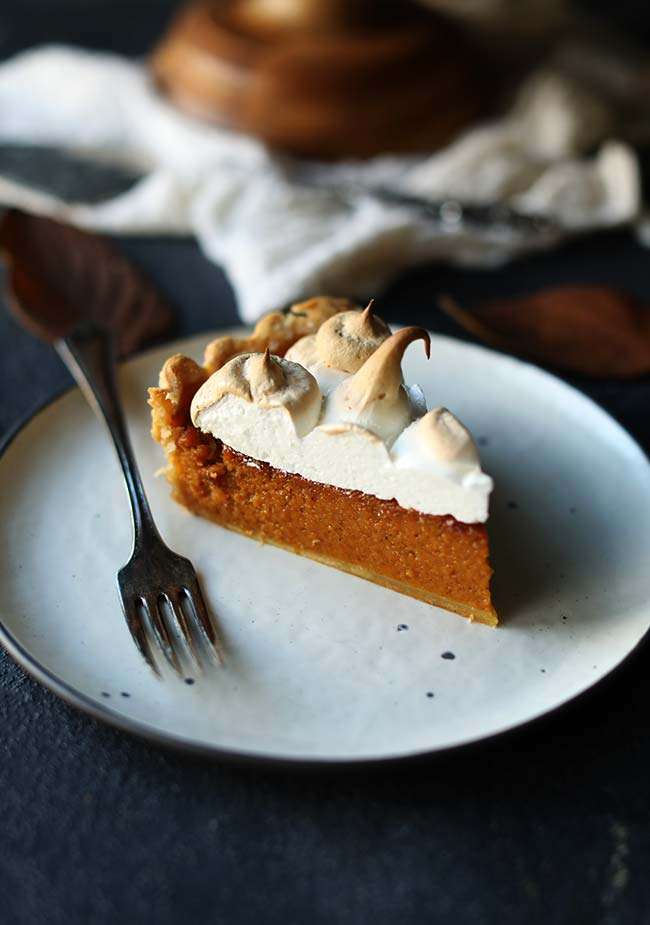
[[305, 435]]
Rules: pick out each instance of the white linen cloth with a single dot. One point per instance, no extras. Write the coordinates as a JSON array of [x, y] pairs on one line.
[[279, 240]]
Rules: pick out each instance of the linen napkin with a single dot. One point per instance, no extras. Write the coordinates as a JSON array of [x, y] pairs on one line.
[[86, 138]]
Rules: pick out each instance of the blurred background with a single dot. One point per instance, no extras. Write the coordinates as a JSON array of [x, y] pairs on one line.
[[248, 153], [132, 26]]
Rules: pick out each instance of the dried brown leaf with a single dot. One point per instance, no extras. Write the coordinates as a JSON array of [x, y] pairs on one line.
[[59, 276], [594, 331]]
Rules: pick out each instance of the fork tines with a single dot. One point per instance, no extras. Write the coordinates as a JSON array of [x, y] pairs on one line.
[[173, 620]]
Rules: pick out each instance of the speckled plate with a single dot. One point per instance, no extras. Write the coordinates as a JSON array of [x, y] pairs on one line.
[[322, 666]]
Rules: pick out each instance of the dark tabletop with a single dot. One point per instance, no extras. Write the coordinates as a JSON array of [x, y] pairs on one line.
[[549, 824]]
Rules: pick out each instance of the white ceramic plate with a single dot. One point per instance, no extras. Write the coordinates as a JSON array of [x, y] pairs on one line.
[[317, 667]]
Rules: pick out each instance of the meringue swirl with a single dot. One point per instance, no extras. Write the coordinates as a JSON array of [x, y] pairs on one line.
[[375, 396]]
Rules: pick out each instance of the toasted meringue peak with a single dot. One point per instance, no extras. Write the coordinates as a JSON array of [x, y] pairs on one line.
[[268, 382], [380, 377], [369, 310], [440, 436], [304, 352], [340, 347], [375, 396], [348, 339], [265, 376]]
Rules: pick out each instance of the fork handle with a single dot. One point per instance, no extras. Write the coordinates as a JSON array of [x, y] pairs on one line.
[[89, 354]]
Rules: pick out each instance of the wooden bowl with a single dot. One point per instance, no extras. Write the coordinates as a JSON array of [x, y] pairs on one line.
[[332, 82]]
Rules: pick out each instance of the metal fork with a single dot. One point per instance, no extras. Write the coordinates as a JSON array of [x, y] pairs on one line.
[[159, 590]]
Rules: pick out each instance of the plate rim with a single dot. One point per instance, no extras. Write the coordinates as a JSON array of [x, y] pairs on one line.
[[243, 757]]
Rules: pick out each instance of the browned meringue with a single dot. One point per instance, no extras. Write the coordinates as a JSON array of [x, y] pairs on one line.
[[277, 331], [341, 345], [440, 436], [348, 339], [272, 410], [266, 381], [375, 397]]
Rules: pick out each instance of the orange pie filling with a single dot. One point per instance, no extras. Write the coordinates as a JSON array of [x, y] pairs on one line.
[[347, 412]]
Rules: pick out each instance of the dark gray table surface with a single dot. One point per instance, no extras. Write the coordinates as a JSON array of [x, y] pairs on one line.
[[548, 824]]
